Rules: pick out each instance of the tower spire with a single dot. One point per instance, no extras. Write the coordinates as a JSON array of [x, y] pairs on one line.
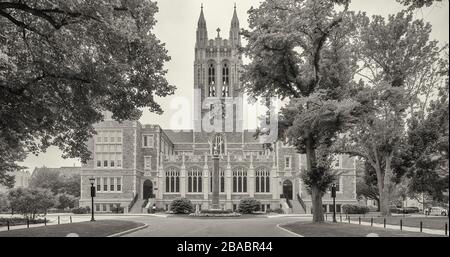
[[202, 32], [234, 29]]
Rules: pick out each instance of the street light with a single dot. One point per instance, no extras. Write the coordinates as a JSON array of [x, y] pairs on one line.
[[333, 194], [92, 180]]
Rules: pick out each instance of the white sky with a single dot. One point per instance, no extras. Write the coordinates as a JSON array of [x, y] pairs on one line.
[[177, 22]]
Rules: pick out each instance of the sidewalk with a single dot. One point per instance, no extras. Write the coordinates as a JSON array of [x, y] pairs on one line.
[[397, 227], [64, 218]]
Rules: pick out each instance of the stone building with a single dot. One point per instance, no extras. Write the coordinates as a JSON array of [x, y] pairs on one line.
[[132, 162]]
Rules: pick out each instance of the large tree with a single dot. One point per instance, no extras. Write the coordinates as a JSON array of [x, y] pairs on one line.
[[64, 62], [31, 201], [396, 57], [54, 181], [426, 155], [300, 51], [414, 4]]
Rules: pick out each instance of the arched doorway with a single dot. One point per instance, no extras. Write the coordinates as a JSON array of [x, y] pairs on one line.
[[147, 189], [287, 189]]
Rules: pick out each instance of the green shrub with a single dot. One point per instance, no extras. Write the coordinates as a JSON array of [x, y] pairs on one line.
[[355, 209], [181, 205], [18, 221], [249, 205], [81, 210]]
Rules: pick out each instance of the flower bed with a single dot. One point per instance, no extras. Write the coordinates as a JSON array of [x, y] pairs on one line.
[[234, 214]]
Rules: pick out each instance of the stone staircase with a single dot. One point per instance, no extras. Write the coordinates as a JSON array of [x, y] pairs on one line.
[[137, 206], [298, 206], [285, 206]]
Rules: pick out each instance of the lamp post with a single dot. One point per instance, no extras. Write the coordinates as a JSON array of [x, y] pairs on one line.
[[333, 194], [92, 180]]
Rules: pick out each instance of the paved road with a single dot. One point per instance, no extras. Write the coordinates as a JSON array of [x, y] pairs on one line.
[[213, 227]]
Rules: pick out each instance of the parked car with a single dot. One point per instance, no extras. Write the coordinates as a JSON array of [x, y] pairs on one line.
[[410, 210], [436, 211], [395, 209]]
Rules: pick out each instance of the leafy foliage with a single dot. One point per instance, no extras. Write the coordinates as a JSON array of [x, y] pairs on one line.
[[64, 62], [413, 4], [65, 201], [31, 201], [51, 179], [181, 206], [355, 209], [300, 50], [249, 205], [426, 155], [81, 210], [393, 54]]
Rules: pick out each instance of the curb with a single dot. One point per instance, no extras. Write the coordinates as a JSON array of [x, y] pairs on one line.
[[286, 230], [128, 231]]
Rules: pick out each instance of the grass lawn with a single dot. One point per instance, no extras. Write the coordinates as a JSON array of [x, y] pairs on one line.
[[100, 228], [345, 230], [427, 222]]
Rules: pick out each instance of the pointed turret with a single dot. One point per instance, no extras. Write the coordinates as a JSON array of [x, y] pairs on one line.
[[202, 33], [235, 39]]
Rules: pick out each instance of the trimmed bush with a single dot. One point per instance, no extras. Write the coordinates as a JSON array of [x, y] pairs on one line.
[[181, 206], [355, 209], [249, 205], [18, 221], [81, 210]]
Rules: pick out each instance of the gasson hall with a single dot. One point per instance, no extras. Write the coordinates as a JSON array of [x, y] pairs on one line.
[[133, 162]]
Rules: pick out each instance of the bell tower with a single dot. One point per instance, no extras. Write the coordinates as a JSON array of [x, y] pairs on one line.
[[217, 87]]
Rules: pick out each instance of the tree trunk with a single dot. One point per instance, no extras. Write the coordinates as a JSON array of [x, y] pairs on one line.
[[386, 185], [384, 203], [378, 204], [316, 198], [316, 195]]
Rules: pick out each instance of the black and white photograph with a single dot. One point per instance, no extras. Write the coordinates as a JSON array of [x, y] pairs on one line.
[[240, 121]]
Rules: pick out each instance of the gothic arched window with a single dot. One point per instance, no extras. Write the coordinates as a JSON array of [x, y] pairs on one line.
[[225, 80], [211, 80], [194, 180], [239, 181], [262, 180], [172, 181]]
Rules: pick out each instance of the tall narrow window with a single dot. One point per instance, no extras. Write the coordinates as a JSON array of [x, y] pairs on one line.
[[194, 180], [172, 181], [239, 181], [262, 180], [212, 80], [225, 80]]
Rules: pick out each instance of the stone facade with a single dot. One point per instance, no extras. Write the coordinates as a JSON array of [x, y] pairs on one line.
[[145, 161]]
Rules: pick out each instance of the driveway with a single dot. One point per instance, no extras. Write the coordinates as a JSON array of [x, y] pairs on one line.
[[214, 227]]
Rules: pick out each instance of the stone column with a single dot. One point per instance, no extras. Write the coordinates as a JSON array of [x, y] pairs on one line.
[[274, 184], [183, 178], [216, 181], [251, 178], [206, 181], [161, 179], [228, 185]]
